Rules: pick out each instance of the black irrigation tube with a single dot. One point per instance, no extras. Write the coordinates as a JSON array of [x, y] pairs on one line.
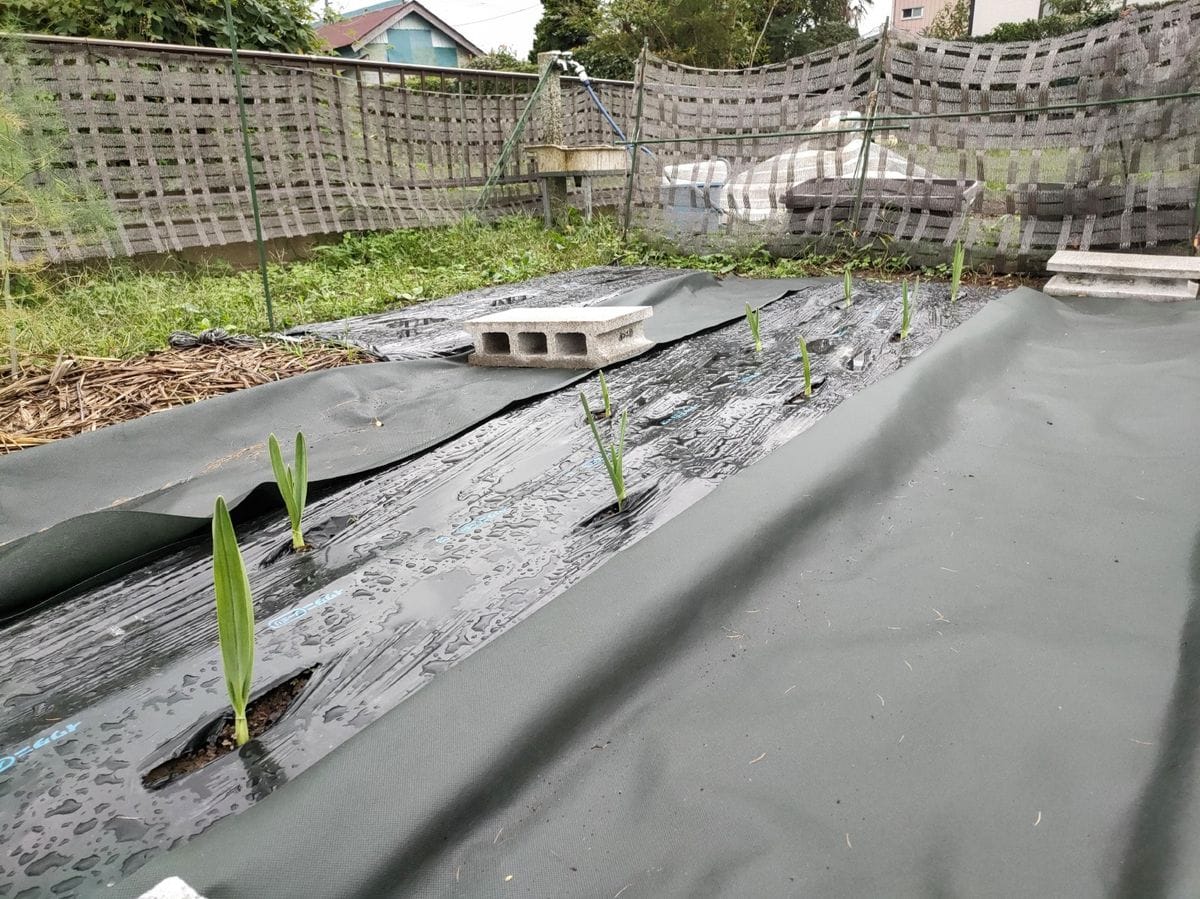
[[920, 117]]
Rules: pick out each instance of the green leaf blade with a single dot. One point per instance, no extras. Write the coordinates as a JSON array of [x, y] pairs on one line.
[[300, 486], [235, 610]]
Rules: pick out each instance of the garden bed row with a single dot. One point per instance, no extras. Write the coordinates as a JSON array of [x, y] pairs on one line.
[[413, 569]]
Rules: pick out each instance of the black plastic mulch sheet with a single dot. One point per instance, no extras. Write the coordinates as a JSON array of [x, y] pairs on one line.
[[77, 508], [415, 567], [946, 642]]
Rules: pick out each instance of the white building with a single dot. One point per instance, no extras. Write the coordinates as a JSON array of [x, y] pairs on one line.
[[987, 14]]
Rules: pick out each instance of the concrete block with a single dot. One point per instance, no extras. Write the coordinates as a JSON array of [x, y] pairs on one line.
[[559, 336], [1126, 265], [171, 888], [1161, 290]]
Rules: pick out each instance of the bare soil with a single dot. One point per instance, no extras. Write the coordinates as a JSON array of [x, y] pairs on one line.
[[261, 715]]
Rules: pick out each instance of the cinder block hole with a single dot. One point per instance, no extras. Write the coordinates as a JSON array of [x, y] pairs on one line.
[[571, 343], [532, 343], [496, 343]]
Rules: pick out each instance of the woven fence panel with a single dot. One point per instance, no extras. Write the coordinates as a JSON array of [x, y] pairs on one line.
[[1015, 149], [694, 121], [154, 136]]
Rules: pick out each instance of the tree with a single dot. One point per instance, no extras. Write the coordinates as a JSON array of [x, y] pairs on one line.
[[282, 25], [565, 25], [794, 28], [721, 34], [952, 22], [37, 193], [705, 33], [1062, 17], [500, 60]]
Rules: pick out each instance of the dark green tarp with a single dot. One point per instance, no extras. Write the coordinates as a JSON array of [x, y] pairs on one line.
[[946, 642]]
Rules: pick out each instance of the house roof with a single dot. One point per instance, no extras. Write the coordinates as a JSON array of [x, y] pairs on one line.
[[357, 30]]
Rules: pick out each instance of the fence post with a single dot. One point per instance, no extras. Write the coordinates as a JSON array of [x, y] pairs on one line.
[[548, 120], [241, 103], [865, 159], [637, 136], [1196, 220]]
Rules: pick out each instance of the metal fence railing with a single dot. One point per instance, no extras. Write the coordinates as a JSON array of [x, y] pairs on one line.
[[1088, 141]]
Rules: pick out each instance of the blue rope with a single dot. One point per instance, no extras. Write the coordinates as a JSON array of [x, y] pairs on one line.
[[611, 121]]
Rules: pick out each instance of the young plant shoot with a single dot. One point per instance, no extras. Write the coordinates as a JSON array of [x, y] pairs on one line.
[[906, 312], [604, 395], [293, 484], [847, 285], [956, 269], [807, 368], [235, 617], [613, 454], [752, 321]]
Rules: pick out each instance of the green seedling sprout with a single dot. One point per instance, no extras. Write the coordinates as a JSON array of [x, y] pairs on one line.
[[293, 484], [847, 284], [752, 321], [956, 268], [906, 314], [604, 396], [613, 455], [807, 368], [235, 617]]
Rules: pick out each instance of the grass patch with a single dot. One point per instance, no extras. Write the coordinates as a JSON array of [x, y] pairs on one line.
[[121, 310]]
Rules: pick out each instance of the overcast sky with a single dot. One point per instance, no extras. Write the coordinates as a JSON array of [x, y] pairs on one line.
[[494, 23]]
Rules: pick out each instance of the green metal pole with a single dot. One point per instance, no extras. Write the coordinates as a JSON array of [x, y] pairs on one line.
[[241, 102], [637, 134], [864, 161], [511, 143]]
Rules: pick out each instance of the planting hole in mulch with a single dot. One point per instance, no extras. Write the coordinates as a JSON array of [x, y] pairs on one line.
[[799, 397], [819, 346], [859, 361], [215, 739], [315, 537], [634, 500]]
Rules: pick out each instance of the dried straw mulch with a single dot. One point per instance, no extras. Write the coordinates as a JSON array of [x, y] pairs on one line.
[[60, 397]]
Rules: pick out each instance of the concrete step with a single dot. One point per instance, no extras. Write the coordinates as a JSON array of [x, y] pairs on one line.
[[1154, 289], [1126, 265], [559, 336]]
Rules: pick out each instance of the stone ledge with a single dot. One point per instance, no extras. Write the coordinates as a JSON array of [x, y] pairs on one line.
[[1154, 289], [1131, 265]]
